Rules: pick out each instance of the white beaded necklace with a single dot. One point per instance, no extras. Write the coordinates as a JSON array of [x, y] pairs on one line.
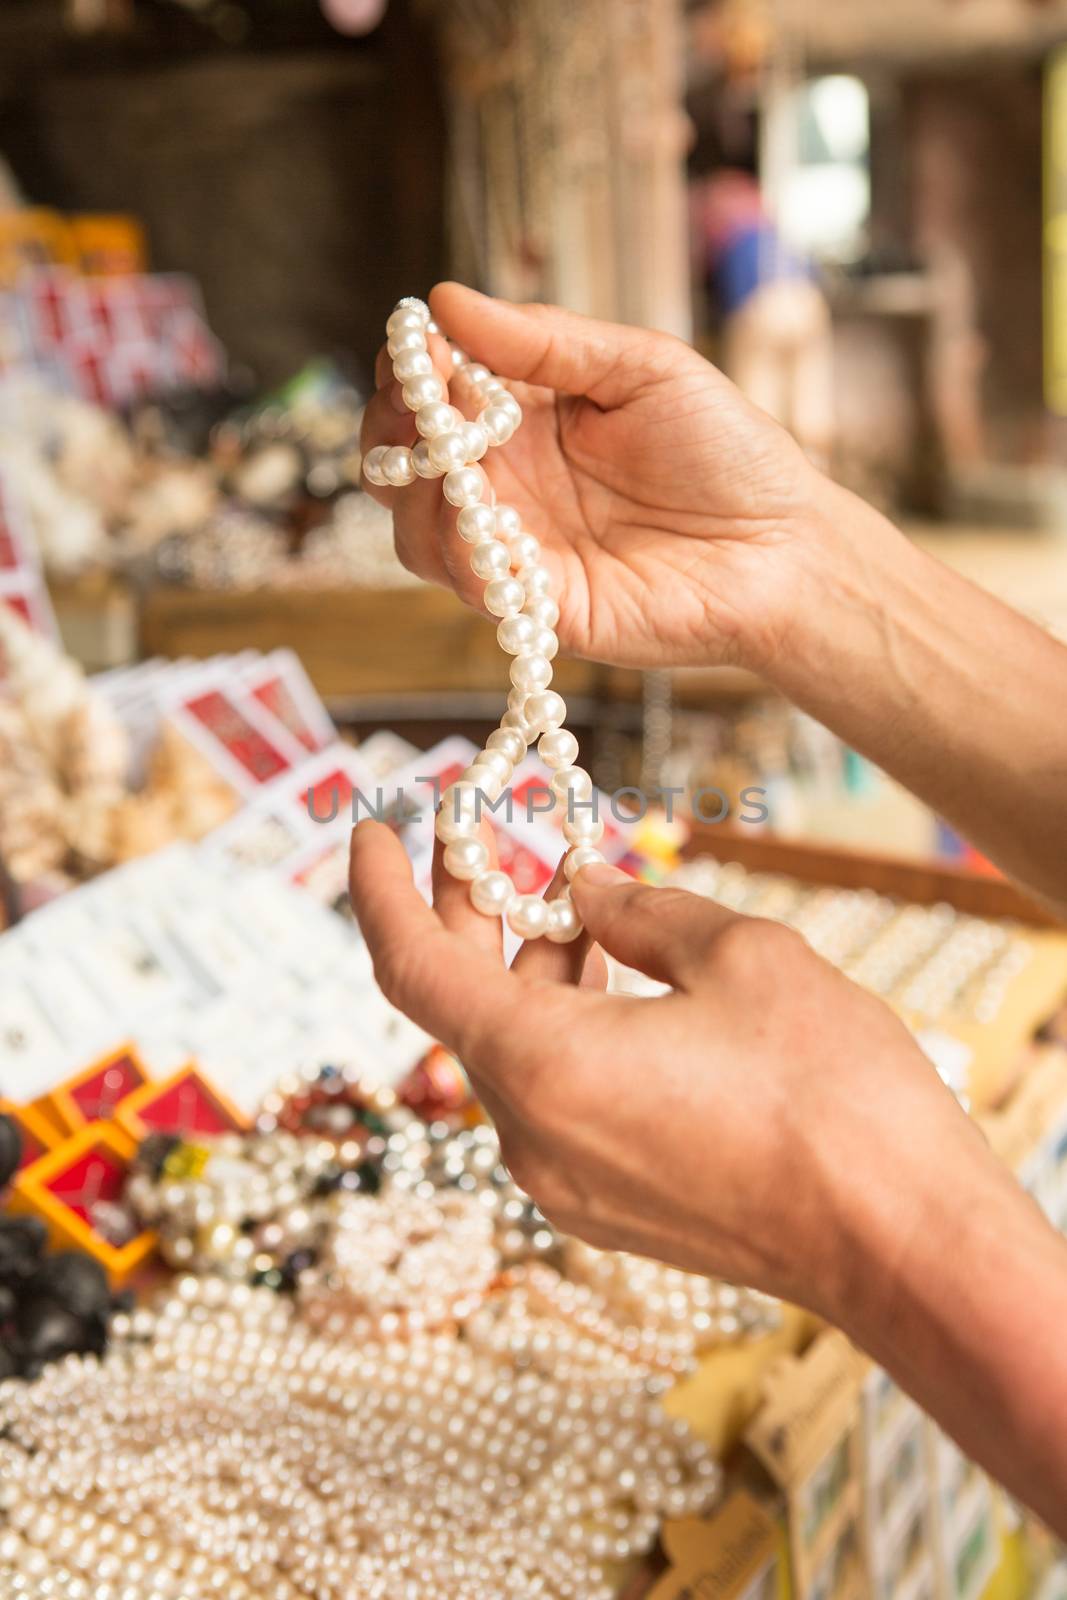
[[516, 591]]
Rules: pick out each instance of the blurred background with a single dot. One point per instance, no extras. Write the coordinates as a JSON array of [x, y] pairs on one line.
[[208, 207]]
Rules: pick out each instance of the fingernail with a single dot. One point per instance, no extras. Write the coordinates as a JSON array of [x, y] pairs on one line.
[[601, 876], [396, 399]]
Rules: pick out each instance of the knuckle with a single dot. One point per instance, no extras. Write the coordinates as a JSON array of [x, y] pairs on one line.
[[750, 946]]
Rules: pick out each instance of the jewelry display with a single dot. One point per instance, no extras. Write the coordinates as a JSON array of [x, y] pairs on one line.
[[930, 961], [224, 1447], [507, 558]]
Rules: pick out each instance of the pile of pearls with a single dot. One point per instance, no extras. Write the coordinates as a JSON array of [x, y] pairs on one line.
[[516, 591], [235, 1452]]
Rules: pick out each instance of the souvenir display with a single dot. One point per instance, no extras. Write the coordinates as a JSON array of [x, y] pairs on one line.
[[506, 556]]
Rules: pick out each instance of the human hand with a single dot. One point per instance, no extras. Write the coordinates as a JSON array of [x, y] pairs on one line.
[[673, 515], [767, 1122]]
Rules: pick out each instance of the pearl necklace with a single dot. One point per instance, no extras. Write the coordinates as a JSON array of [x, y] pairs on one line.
[[517, 592], [226, 1449]]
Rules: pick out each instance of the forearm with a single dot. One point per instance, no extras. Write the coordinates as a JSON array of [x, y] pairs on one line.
[[968, 1312], [955, 694]]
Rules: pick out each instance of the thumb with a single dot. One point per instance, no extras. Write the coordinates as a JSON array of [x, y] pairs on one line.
[[543, 345], [665, 933]]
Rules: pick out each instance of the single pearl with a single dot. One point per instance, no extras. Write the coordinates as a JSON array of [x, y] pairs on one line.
[[372, 465], [476, 524], [412, 364], [460, 800], [491, 892], [403, 318], [504, 597], [426, 390], [483, 779], [583, 828], [558, 748], [545, 710], [530, 672], [524, 548], [437, 417], [516, 634], [564, 924], [527, 915], [464, 486], [420, 460], [466, 858], [489, 560], [498, 424], [535, 580], [458, 358], [397, 466], [571, 781], [508, 521], [478, 374], [515, 722], [448, 450], [408, 339], [517, 699], [512, 744], [448, 827], [477, 440], [546, 643], [496, 760], [583, 856], [507, 401], [543, 609]]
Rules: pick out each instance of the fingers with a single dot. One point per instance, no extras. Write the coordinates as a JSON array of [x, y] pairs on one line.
[[665, 933], [452, 900], [456, 991], [544, 345], [542, 961]]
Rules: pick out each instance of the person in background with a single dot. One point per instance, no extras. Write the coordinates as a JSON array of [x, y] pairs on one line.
[[766, 1121], [775, 328]]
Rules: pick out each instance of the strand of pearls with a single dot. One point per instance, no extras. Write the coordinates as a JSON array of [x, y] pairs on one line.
[[516, 591], [236, 1453]]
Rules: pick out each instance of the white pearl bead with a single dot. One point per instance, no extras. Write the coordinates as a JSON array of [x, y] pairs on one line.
[[397, 466], [571, 781], [436, 418], [527, 915], [524, 548], [496, 760], [411, 302], [583, 828], [530, 672], [503, 598], [516, 634], [508, 402], [491, 892], [448, 450], [564, 924], [477, 440], [407, 339], [466, 858], [412, 364], [546, 710], [489, 560], [423, 391], [546, 643], [464, 486], [498, 424], [535, 580], [478, 374], [420, 460], [515, 722], [448, 827], [558, 748], [517, 699], [583, 856], [460, 800], [372, 465], [508, 521], [403, 319], [511, 743], [484, 780], [476, 524], [543, 609]]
